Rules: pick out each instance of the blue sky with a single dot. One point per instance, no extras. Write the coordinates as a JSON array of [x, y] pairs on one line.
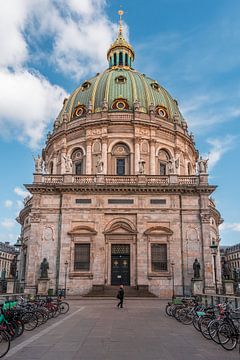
[[49, 47]]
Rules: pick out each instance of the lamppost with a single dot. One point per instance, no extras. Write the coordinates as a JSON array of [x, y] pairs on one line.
[[65, 283], [214, 251], [17, 252], [173, 292]]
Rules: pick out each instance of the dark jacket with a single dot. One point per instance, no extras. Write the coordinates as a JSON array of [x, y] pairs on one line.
[[120, 294]]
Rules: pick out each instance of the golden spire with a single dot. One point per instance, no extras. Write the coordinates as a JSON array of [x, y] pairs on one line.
[[120, 13]]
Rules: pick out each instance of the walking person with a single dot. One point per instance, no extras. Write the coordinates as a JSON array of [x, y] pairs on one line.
[[120, 296]]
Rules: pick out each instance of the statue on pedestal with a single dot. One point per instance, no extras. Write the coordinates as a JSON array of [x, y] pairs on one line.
[[226, 272], [13, 267], [196, 269], [141, 165], [68, 163], [99, 165], [44, 267], [202, 165], [38, 164]]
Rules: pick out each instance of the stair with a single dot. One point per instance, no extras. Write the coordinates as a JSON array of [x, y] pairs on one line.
[[111, 291]]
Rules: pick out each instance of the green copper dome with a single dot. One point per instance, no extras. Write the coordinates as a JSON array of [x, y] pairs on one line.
[[120, 88]]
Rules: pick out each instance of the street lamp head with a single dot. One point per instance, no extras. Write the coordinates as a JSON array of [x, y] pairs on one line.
[[18, 245]]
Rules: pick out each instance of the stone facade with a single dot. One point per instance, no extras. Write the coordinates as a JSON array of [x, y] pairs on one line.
[[122, 174]]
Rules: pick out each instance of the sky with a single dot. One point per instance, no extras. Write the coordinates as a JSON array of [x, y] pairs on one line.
[[49, 47]]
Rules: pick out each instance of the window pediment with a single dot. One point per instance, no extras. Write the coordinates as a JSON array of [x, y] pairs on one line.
[[82, 230], [158, 230]]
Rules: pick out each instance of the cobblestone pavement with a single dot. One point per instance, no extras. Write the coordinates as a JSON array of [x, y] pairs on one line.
[[97, 330]]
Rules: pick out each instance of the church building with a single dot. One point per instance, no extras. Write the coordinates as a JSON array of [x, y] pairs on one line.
[[120, 194]]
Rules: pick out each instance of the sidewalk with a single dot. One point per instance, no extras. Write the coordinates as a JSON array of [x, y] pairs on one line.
[[97, 330]]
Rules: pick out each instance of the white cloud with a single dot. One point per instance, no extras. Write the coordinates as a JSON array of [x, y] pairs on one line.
[[8, 203], [219, 146], [14, 50], [21, 192], [8, 223], [78, 34], [28, 101], [230, 227]]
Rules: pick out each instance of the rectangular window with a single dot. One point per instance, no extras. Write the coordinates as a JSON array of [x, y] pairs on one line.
[[82, 257], [159, 257], [120, 167], [83, 201], [158, 201], [120, 201], [163, 169]]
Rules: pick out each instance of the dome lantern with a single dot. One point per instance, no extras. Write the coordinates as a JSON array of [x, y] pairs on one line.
[[120, 54]]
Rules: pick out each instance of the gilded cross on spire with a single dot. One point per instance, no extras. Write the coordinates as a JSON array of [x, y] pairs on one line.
[[120, 13]]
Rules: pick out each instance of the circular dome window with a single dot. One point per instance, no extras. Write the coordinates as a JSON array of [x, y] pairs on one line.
[[161, 111], [120, 104], [79, 111], [155, 86], [120, 79], [86, 85]]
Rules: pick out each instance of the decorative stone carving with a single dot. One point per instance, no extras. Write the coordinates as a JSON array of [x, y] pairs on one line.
[[151, 109], [96, 148], [48, 234], [136, 105], [90, 107], [104, 105]]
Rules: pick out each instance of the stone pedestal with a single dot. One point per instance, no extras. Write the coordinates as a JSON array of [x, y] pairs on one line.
[[10, 286], [197, 286], [43, 286], [228, 286]]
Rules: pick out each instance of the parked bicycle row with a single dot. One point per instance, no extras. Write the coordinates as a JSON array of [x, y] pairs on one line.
[[23, 315], [219, 323]]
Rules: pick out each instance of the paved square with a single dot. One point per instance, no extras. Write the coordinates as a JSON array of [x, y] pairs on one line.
[[97, 330]]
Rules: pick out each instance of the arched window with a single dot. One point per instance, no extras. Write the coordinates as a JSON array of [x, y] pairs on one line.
[[115, 59], [77, 160], [121, 159], [189, 169], [51, 168], [120, 58], [126, 59], [163, 160]]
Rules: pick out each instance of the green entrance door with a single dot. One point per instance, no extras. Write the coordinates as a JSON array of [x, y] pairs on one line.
[[120, 264]]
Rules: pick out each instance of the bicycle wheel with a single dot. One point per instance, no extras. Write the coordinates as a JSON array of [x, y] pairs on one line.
[[186, 316], [30, 321], [203, 325], [168, 309], [213, 330], [195, 322], [227, 336], [4, 343], [64, 307]]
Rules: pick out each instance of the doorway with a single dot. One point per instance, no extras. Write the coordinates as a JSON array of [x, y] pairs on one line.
[[120, 264]]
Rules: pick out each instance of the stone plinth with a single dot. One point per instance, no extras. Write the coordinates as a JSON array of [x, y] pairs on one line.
[[229, 288], [10, 286], [197, 286], [43, 286]]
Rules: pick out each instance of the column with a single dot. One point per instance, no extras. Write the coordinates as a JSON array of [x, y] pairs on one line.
[[104, 156], [137, 154], [89, 157], [152, 157]]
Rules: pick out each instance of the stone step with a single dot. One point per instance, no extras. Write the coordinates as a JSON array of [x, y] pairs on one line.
[[111, 291]]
